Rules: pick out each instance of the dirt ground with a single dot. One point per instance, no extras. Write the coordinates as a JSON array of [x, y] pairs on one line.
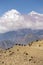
[[23, 55]]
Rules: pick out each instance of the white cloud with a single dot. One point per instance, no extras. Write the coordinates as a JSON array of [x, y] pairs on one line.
[[13, 20]]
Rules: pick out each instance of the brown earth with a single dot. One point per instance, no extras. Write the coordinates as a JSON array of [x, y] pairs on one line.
[[31, 54]]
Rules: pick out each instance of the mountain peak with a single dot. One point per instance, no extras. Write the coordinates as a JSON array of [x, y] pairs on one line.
[[33, 13], [13, 11], [10, 14]]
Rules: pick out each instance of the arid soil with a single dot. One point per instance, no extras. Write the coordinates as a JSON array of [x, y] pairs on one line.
[[31, 54]]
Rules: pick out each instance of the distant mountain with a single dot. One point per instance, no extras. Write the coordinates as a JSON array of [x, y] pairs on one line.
[[16, 28], [22, 36]]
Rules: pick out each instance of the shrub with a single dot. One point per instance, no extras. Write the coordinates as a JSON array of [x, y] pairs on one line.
[[39, 45], [36, 40], [31, 56], [2, 62], [30, 44], [17, 49], [26, 53], [30, 59], [11, 53]]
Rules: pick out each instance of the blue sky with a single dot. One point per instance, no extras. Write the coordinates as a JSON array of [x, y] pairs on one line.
[[23, 6]]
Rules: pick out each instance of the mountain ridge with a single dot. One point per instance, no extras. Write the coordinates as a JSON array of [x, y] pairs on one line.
[[22, 36]]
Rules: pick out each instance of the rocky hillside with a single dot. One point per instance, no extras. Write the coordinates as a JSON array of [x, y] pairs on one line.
[[31, 54]]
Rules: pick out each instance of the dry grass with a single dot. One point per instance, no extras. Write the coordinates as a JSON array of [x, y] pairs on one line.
[[23, 55]]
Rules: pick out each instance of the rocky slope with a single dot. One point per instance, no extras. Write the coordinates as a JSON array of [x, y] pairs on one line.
[[31, 54]]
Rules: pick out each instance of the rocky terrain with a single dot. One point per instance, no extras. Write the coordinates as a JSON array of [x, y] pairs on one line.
[[30, 54]]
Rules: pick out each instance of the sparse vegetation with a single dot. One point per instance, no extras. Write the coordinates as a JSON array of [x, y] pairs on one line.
[[34, 61], [17, 49], [39, 45], [11, 53], [30, 44], [30, 59], [2, 62], [26, 53], [31, 56], [36, 40], [23, 55]]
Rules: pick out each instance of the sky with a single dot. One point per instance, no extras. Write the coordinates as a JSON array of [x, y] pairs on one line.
[[23, 6], [12, 15], [13, 20]]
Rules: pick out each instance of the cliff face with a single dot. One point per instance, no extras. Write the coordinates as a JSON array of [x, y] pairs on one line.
[[31, 54]]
